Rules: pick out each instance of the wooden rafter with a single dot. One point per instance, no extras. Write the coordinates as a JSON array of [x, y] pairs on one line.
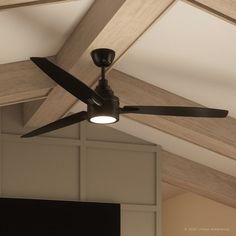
[[169, 191], [225, 9], [198, 179], [22, 82], [5, 4]]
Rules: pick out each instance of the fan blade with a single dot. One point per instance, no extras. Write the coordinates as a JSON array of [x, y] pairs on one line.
[[66, 121], [175, 111], [68, 81]]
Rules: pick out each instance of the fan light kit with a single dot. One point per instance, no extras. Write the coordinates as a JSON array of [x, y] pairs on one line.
[[103, 106], [103, 120]]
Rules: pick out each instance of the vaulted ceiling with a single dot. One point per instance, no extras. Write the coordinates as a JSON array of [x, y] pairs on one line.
[[167, 53]]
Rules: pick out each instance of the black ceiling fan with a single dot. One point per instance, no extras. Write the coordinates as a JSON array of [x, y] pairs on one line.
[[102, 105]]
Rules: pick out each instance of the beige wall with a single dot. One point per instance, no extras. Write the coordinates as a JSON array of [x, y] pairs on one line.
[[86, 162], [192, 215]]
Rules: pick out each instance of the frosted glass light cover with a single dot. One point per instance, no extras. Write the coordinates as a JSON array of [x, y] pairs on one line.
[[103, 119]]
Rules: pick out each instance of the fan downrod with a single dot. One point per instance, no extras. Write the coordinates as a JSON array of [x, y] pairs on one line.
[[103, 57]]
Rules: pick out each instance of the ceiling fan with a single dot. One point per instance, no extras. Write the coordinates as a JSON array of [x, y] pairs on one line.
[[102, 105]]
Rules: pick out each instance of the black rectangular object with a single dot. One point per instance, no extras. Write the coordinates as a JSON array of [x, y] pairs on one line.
[[45, 217]]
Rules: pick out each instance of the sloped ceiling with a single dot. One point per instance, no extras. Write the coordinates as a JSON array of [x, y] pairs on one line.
[[38, 30], [190, 53]]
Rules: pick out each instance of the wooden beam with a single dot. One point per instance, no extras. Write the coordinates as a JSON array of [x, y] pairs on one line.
[[21, 82], [225, 9], [198, 179], [169, 191], [113, 24], [215, 134], [5, 4]]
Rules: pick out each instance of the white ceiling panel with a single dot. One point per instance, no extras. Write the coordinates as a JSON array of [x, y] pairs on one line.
[[38, 30], [190, 53]]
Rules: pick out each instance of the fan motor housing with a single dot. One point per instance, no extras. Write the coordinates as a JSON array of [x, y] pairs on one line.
[[110, 107]]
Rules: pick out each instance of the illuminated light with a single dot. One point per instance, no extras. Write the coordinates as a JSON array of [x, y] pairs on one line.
[[103, 119]]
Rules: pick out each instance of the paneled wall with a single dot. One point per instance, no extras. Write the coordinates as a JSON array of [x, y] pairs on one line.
[[86, 162]]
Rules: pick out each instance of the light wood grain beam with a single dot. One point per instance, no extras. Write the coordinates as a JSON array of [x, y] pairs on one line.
[[225, 9], [215, 134], [113, 24], [170, 191], [198, 179], [21, 82], [5, 4]]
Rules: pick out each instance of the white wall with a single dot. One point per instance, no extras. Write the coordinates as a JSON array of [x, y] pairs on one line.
[[190, 214], [86, 162]]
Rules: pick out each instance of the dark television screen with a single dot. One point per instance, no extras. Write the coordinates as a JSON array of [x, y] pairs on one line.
[[44, 217]]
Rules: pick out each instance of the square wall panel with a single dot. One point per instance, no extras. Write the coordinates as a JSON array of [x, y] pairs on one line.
[[120, 176], [40, 171], [136, 223]]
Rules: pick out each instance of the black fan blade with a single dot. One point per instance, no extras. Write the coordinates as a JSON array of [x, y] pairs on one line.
[[68, 81], [66, 121], [175, 111]]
